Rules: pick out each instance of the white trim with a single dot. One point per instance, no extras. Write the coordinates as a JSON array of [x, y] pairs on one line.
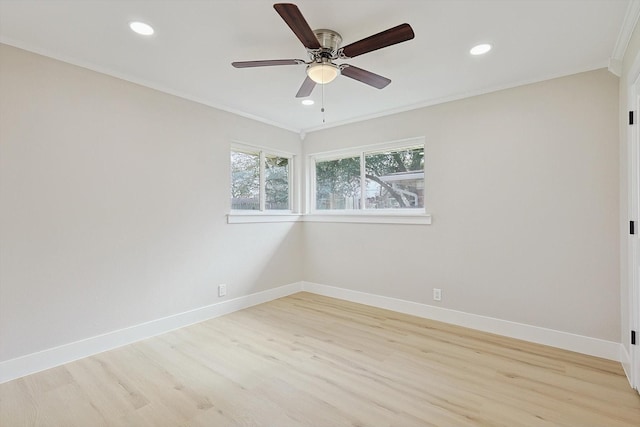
[[632, 76], [625, 360], [626, 31], [633, 210], [246, 147], [52, 357], [363, 183], [398, 144], [250, 217], [263, 183], [421, 219], [631, 363], [564, 340], [615, 67]]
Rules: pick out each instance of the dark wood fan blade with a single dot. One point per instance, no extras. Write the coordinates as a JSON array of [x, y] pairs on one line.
[[266, 63], [306, 88], [364, 76], [395, 35], [294, 19]]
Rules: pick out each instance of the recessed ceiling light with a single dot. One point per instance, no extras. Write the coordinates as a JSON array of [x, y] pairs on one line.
[[308, 102], [141, 28], [480, 49]]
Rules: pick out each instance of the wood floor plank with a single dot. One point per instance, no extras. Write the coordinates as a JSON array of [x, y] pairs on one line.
[[308, 360]]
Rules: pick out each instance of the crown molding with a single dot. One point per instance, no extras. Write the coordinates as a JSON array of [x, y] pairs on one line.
[[628, 25]]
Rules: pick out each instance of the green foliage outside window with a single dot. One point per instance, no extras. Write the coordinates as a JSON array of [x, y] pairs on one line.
[[246, 184]]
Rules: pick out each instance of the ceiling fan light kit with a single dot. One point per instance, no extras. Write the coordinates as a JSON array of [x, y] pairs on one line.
[[323, 48], [322, 73]]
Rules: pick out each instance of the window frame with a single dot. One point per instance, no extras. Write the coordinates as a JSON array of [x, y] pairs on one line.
[[266, 214], [400, 215]]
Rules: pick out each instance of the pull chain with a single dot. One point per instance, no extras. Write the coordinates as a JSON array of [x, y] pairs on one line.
[[322, 109]]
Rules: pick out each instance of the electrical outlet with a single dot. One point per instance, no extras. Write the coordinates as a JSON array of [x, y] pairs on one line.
[[222, 290], [437, 294]]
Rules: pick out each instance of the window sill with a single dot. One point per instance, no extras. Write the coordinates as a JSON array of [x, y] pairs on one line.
[[415, 219], [248, 218]]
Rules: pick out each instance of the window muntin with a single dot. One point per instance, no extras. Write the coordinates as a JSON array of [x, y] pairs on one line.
[[260, 181], [383, 179]]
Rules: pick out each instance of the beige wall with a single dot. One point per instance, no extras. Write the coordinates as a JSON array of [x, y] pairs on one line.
[[112, 206], [113, 200], [523, 188]]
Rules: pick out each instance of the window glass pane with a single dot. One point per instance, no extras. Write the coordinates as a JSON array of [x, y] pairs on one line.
[[276, 182], [395, 179], [338, 184], [245, 181]]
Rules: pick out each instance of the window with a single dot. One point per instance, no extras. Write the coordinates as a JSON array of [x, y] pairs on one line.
[[381, 179], [338, 183], [383, 183], [260, 181], [395, 179], [245, 181], [276, 183]]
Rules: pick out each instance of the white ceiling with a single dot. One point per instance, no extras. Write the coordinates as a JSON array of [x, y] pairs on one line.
[[196, 41]]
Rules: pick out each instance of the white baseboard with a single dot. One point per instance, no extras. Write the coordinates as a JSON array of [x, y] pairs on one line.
[[52, 357], [49, 358], [564, 340]]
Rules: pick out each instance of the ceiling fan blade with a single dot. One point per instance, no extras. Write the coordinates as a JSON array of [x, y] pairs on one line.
[[395, 35], [306, 88], [364, 76], [294, 19], [266, 63]]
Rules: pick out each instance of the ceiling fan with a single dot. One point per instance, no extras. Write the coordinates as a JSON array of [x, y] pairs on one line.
[[323, 47]]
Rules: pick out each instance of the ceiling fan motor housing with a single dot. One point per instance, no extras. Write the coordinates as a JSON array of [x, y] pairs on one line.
[[330, 42]]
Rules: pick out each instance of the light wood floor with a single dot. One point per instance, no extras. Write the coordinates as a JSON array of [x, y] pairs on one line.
[[307, 360]]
